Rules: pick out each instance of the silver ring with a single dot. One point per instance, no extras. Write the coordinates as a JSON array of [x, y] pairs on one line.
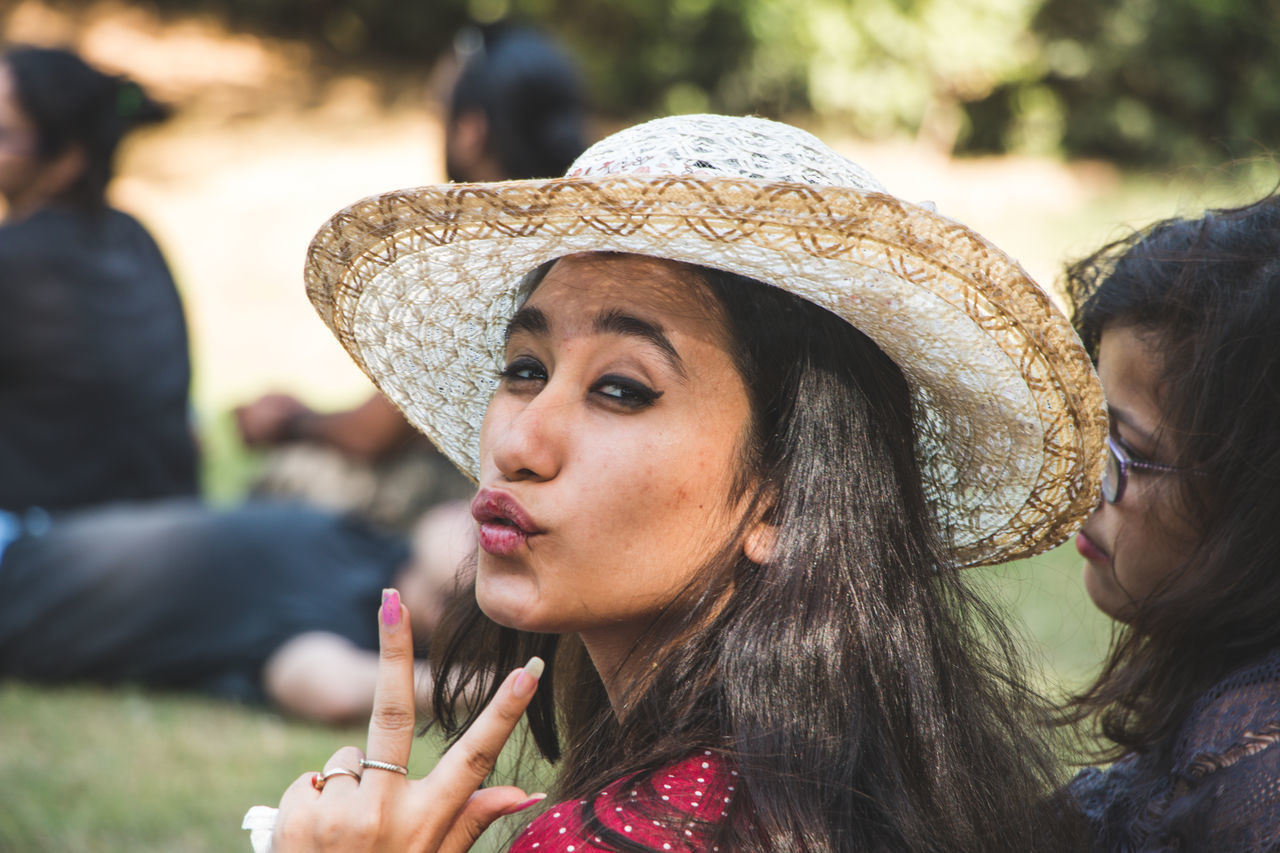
[[338, 771], [384, 765]]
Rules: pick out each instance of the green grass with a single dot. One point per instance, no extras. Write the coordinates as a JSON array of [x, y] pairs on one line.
[[99, 770]]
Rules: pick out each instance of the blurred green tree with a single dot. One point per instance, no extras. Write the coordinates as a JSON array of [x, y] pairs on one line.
[[879, 66], [1141, 81]]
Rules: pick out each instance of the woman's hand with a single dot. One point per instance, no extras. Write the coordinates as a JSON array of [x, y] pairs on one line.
[[384, 810]]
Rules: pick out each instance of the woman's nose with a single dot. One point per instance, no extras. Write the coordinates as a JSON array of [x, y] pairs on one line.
[[527, 438]]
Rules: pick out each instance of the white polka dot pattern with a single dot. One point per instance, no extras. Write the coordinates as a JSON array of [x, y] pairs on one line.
[[670, 811]]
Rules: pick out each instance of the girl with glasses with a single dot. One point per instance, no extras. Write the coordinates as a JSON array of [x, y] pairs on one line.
[[1182, 321]]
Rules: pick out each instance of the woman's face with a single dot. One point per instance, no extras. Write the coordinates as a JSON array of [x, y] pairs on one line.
[[1132, 546], [608, 451]]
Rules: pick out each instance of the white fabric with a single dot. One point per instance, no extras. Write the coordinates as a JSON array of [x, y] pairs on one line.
[[261, 822]]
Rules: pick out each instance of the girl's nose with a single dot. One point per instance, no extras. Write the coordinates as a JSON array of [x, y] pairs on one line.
[[527, 437]]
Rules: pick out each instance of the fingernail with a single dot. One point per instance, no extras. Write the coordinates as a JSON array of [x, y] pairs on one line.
[[390, 608], [527, 680], [521, 806]]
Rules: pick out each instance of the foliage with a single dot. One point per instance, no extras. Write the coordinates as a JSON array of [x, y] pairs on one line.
[[1142, 81], [882, 66]]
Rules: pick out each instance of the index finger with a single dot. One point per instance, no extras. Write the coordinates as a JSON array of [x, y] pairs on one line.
[[394, 704]]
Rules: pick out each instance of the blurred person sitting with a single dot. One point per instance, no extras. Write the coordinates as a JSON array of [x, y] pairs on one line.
[[516, 110], [259, 603], [94, 365]]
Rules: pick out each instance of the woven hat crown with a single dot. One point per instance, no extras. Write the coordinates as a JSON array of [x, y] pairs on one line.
[[713, 146]]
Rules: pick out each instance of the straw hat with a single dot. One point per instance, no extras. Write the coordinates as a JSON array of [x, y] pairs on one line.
[[419, 285]]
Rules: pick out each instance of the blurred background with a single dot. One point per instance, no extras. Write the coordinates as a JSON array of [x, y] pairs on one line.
[[1048, 125]]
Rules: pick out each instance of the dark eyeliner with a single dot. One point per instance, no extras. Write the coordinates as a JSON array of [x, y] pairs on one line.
[[635, 394], [519, 365]]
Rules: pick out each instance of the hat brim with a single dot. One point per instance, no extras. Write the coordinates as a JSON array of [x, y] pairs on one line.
[[419, 285]]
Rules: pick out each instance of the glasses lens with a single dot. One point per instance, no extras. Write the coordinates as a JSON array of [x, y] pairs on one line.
[[1111, 475]]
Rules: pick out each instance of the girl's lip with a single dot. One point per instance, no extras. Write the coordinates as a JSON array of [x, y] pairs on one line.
[[1090, 550], [504, 524]]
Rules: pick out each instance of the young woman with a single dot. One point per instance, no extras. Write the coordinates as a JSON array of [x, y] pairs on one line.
[[1181, 319], [94, 365], [738, 418]]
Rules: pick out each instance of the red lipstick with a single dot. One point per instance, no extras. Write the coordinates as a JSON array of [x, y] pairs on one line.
[[1090, 550], [504, 524]]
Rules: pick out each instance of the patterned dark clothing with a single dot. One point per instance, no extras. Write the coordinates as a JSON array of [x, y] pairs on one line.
[[1220, 790]]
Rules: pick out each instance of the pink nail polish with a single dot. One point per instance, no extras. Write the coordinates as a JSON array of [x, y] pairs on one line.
[[527, 680], [524, 804], [390, 608]]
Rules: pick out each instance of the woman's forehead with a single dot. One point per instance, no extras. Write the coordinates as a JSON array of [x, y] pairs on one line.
[[656, 287]]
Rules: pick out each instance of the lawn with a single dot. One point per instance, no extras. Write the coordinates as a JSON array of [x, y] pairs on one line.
[[108, 771]]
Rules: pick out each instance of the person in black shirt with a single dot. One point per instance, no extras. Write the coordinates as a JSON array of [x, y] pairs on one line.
[[95, 371]]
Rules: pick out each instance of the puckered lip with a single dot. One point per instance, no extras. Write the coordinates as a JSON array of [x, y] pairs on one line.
[[490, 505], [1090, 549]]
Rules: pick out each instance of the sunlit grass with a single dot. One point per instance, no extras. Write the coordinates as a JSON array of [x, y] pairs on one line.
[[104, 770]]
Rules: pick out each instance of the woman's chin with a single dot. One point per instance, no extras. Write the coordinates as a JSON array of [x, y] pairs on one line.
[[1100, 584], [506, 606]]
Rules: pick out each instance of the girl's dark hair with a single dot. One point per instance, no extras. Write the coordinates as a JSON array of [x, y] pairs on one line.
[[74, 105], [868, 699], [1205, 294], [531, 97]]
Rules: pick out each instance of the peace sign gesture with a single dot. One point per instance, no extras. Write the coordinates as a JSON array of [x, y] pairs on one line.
[[364, 800]]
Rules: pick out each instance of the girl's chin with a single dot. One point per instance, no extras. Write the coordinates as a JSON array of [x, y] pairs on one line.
[[1106, 595], [509, 608]]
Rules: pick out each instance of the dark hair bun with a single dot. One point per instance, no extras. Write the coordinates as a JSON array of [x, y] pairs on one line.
[[74, 105]]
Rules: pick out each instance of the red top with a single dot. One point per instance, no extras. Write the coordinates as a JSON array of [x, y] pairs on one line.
[[680, 804]]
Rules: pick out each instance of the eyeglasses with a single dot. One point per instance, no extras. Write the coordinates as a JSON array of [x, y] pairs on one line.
[[1116, 474]]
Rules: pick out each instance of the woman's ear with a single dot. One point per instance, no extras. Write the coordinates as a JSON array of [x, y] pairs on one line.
[[760, 541], [762, 533]]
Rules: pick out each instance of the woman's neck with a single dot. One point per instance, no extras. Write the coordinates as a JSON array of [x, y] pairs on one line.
[[613, 657]]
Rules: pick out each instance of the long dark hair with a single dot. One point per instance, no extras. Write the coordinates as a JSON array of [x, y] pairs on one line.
[[1205, 293], [74, 105], [868, 699], [531, 97]]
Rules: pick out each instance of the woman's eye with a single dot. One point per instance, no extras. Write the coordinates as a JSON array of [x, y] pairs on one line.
[[1129, 451], [626, 392], [523, 369]]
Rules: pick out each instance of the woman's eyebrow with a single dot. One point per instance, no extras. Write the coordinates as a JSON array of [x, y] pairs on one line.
[[613, 321], [528, 320]]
